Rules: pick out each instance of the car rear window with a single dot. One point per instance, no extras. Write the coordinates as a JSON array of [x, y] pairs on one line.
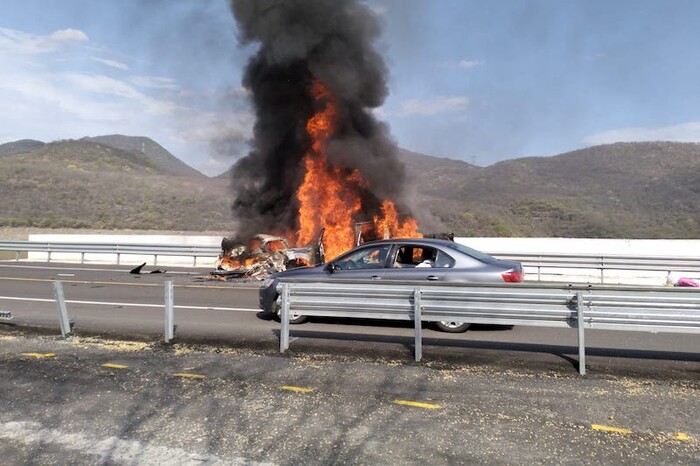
[[443, 260], [471, 252]]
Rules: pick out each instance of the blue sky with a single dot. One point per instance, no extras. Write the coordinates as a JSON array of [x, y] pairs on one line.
[[481, 81]]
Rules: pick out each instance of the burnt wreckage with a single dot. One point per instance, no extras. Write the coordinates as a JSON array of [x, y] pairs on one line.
[[264, 254]]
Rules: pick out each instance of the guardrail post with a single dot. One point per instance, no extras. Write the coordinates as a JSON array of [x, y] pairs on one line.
[[418, 323], [581, 339], [169, 312], [284, 318], [64, 322]]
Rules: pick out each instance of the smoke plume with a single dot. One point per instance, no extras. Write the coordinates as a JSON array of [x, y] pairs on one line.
[[301, 41]]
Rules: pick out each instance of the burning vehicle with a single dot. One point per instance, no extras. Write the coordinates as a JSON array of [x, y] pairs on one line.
[[319, 160], [264, 254]]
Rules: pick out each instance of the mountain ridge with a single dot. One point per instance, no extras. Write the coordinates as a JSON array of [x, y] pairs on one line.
[[623, 190]]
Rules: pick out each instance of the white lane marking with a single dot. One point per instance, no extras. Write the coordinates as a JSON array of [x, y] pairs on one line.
[[45, 267], [103, 303], [112, 450]]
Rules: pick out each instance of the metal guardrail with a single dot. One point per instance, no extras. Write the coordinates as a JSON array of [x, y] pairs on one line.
[[602, 263], [66, 323], [534, 264], [110, 248], [581, 307]]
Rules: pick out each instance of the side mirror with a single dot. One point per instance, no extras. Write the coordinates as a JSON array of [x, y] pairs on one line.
[[330, 267]]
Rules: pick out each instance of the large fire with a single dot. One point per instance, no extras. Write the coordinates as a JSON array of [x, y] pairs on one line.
[[329, 196]]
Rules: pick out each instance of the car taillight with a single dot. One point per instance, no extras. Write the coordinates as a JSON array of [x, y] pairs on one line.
[[514, 276]]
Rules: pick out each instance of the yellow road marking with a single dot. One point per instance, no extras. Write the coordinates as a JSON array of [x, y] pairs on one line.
[[619, 430], [189, 376], [681, 436], [113, 365], [291, 388], [39, 355], [417, 404]]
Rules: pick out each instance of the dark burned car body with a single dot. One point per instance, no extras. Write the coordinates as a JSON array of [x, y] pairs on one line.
[[264, 254]]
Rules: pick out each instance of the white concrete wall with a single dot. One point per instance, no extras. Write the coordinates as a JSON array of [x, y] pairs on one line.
[[609, 247], [128, 239], [620, 247], [660, 247]]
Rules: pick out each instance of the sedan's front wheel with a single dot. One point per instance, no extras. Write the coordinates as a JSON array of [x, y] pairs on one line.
[[452, 327], [294, 317]]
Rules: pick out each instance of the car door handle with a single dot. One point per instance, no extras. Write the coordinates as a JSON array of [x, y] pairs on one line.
[[376, 277], [432, 277]]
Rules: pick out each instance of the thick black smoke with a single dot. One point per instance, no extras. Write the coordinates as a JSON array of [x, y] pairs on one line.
[[301, 41]]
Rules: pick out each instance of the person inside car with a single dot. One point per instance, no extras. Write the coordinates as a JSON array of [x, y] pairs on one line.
[[427, 258]]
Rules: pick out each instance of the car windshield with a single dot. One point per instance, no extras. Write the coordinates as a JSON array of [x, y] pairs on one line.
[[471, 252]]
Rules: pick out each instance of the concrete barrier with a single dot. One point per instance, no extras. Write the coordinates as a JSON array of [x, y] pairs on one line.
[[127, 239], [666, 248]]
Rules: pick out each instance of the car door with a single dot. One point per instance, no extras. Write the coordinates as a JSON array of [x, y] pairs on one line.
[[367, 263]]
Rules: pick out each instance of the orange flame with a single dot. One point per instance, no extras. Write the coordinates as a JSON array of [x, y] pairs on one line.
[[229, 263], [389, 225], [329, 196]]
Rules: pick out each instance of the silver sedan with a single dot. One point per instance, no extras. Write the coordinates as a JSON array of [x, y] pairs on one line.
[[417, 259]]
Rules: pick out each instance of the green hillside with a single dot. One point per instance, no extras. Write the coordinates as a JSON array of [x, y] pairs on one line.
[[19, 147], [624, 190], [156, 154], [630, 190], [84, 184]]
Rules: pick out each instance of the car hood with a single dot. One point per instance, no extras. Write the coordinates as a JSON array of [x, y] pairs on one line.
[[298, 272]]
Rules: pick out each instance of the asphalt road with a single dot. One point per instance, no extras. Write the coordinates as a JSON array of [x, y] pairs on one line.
[[346, 392], [108, 300]]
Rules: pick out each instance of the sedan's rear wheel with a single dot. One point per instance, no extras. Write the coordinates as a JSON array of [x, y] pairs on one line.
[[452, 327]]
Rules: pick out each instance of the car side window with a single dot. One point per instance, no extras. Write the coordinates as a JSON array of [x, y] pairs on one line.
[[366, 258], [444, 260], [415, 256]]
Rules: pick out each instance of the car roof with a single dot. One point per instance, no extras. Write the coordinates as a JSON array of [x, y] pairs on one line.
[[452, 246], [433, 241]]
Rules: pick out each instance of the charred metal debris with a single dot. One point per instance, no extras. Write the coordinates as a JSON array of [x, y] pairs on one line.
[[263, 255]]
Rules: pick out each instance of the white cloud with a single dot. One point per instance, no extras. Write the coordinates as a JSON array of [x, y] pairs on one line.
[[379, 10], [101, 84], [14, 42], [49, 92], [111, 63], [69, 35], [155, 82], [685, 132], [107, 86], [431, 106], [461, 64]]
